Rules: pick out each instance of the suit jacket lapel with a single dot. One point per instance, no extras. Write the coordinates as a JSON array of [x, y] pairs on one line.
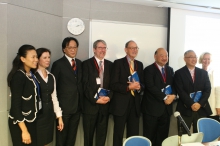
[[67, 64], [187, 73], [126, 66], [93, 61], [196, 77], [158, 72], [106, 72]]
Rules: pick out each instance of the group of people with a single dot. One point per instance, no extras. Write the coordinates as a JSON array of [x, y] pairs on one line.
[[72, 88]]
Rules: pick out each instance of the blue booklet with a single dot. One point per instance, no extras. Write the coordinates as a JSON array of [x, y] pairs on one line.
[[134, 77], [167, 90], [196, 96], [101, 92]]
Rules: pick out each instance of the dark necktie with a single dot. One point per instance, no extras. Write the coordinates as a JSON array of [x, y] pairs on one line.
[[163, 72], [74, 65], [101, 73]]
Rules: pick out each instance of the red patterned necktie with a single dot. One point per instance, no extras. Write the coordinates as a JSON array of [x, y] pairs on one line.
[[73, 65]]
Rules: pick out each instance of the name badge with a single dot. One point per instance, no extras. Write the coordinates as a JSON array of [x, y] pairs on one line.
[[98, 81], [40, 105]]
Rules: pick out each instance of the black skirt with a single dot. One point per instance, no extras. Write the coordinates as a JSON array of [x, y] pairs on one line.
[[16, 133], [45, 124]]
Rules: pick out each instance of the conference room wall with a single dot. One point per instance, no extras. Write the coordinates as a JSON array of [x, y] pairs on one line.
[[3, 86], [38, 23], [110, 11]]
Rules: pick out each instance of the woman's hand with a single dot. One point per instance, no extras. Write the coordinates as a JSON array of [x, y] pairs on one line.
[[61, 125], [26, 137]]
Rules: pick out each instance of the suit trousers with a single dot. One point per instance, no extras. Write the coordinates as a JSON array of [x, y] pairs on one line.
[[156, 128], [131, 118], [189, 120], [67, 136], [98, 122]]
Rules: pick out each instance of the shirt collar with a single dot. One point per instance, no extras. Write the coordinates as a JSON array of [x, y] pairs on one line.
[[160, 67], [128, 58], [191, 70], [40, 72], [98, 60], [70, 59]]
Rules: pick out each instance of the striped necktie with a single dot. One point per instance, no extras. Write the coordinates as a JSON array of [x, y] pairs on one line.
[[131, 71]]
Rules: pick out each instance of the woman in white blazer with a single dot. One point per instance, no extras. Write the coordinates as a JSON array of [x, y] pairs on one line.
[[214, 99]]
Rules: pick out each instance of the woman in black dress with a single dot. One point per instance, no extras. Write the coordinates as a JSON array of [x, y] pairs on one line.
[[25, 102], [46, 119]]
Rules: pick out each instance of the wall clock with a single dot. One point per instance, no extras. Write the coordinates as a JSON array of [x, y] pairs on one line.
[[75, 26]]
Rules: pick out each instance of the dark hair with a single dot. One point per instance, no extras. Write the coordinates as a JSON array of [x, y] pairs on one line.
[[17, 63], [96, 43], [67, 40], [40, 51], [126, 45]]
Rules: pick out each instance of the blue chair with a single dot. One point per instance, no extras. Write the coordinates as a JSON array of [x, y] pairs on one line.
[[210, 128], [137, 141]]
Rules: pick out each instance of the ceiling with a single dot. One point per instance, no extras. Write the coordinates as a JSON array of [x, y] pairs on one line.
[[196, 5]]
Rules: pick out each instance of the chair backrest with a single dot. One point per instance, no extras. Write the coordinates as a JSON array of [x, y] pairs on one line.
[[173, 140], [137, 141], [210, 129]]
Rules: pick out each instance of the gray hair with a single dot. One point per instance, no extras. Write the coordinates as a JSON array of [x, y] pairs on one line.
[[98, 41], [188, 52]]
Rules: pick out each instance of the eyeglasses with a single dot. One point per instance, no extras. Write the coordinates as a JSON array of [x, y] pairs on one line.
[[133, 48], [72, 48], [191, 57], [102, 48]]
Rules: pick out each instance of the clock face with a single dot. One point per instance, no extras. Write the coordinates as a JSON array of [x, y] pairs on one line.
[[76, 26]]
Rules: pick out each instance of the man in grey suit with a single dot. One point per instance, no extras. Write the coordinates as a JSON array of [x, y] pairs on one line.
[[68, 73]]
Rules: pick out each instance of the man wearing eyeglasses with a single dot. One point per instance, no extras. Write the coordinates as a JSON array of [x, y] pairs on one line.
[[96, 75], [158, 98], [68, 73], [193, 87], [125, 104]]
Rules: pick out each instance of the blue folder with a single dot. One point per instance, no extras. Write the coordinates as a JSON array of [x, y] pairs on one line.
[[167, 90], [196, 96], [134, 77], [101, 92]]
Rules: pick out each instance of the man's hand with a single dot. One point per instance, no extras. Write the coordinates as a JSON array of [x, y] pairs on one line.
[[103, 100], [169, 99], [195, 107], [134, 86]]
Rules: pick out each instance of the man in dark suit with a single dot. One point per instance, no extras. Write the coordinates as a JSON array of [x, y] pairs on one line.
[[68, 73], [156, 104], [125, 104], [96, 74], [189, 79]]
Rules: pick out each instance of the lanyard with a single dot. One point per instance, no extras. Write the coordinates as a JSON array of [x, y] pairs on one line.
[[35, 81], [164, 77], [96, 65]]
